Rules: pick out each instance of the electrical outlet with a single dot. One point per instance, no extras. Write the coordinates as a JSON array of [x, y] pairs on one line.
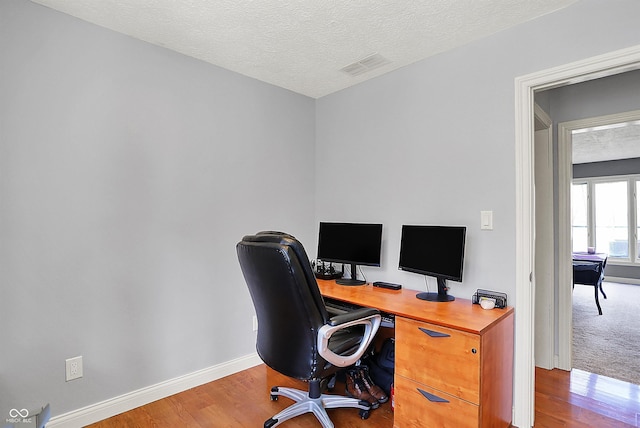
[[74, 368], [255, 323]]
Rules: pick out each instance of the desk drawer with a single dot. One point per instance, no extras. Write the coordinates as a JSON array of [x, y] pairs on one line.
[[439, 357], [414, 407]]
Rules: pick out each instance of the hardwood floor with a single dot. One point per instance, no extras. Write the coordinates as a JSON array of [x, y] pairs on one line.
[[563, 399], [239, 400], [582, 399]]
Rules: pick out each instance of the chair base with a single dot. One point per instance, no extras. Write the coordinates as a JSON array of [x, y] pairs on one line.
[[305, 404]]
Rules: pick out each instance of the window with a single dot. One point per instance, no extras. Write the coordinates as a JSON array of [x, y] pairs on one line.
[[604, 215], [580, 216], [611, 219], [637, 259]]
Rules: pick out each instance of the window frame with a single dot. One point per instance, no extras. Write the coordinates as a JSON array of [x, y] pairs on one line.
[[633, 181]]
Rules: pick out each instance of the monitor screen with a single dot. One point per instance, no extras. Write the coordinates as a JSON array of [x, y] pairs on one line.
[[436, 251], [350, 243]]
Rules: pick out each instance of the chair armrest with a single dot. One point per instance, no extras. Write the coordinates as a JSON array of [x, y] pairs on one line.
[[369, 318], [352, 316]]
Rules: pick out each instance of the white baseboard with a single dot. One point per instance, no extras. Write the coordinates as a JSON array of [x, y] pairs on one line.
[[114, 406], [622, 280]]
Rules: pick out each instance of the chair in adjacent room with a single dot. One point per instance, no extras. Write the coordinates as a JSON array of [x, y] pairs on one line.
[[296, 335], [591, 273]]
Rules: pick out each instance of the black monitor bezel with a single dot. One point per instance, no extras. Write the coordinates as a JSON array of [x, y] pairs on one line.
[[349, 261], [434, 273]]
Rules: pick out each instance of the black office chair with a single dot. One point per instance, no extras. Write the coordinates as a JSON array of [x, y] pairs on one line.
[[296, 336]]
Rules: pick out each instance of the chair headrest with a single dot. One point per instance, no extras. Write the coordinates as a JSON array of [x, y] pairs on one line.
[[273, 237], [288, 240]]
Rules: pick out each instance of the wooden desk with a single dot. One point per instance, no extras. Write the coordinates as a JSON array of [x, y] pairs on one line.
[[468, 364]]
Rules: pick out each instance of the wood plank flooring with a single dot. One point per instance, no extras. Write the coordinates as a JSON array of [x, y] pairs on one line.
[[563, 399], [239, 400], [582, 399]]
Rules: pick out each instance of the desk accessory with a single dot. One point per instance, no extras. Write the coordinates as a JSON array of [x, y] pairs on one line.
[[389, 285], [324, 271], [499, 298], [487, 303]]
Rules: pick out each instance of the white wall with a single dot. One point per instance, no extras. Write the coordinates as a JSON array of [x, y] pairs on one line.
[[127, 175], [433, 143]]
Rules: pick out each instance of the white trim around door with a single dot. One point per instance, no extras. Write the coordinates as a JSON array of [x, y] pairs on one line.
[[601, 66]]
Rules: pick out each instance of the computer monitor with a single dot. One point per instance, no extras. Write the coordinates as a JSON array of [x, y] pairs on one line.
[[350, 243], [436, 251]]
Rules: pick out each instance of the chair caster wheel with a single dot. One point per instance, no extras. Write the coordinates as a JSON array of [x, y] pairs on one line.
[[270, 422], [364, 414], [274, 397]]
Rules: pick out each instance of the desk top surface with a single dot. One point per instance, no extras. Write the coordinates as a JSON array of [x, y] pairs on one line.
[[460, 314]]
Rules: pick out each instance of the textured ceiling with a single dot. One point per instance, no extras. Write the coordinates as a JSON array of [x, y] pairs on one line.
[[604, 143], [302, 45]]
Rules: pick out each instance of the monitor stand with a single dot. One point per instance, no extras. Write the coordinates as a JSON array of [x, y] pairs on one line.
[[353, 280], [440, 296]]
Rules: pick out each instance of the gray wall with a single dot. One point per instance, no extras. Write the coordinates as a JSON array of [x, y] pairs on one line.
[[127, 175], [607, 168], [611, 95], [433, 143]]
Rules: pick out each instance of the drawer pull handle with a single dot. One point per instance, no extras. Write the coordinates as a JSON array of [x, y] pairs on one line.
[[432, 333], [431, 397]]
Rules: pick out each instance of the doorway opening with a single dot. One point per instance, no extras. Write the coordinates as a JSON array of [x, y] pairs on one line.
[[601, 66], [587, 238]]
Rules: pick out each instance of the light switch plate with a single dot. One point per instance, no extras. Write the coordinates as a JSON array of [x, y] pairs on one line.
[[486, 220]]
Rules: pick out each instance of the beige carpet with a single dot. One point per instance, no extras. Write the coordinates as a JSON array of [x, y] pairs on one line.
[[607, 344]]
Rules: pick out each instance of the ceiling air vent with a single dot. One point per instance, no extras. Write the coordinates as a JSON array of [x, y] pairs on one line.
[[367, 63]]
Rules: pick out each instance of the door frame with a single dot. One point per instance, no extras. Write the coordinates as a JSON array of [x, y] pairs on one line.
[[544, 292], [611, 63], [565, 176]]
